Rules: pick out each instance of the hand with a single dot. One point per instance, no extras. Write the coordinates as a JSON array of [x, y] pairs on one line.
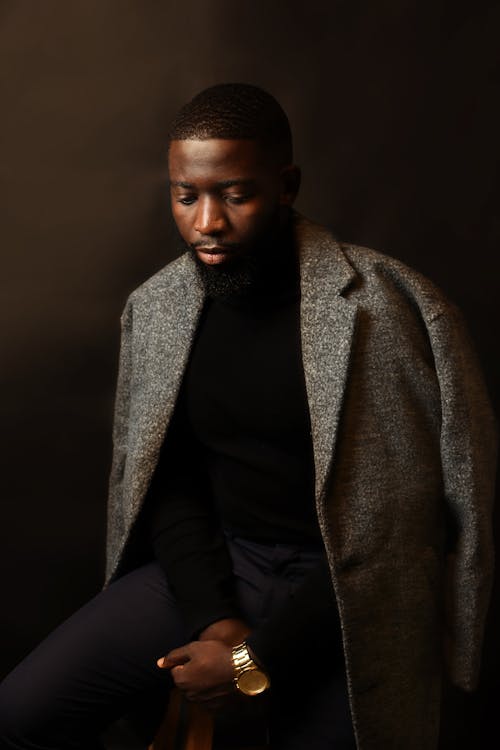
[[203, 670], [231, 631]]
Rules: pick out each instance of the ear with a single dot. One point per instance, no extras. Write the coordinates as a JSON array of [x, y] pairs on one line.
[[290, 184]]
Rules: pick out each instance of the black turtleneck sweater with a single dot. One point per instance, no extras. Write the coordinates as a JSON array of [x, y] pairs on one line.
[[238, 455]]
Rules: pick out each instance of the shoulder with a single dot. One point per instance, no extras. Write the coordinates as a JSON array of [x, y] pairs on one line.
[[163, 281], [382, 278], [368, 277], [168, 286], [388, 293]]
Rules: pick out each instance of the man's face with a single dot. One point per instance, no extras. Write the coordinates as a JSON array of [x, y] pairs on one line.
[[227, 197]]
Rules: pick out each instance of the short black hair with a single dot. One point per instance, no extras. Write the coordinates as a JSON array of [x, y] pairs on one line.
[[239, 111]]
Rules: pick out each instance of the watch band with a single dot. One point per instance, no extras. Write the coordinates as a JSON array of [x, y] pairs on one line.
[[249, 678]]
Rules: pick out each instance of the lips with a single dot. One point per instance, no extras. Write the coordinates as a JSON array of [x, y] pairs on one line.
[[213, 254]]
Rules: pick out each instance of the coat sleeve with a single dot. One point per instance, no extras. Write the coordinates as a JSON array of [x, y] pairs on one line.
[[468, 456], [115, 520]]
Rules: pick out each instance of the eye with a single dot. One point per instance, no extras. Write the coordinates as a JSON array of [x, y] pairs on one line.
[[186, 200], [236, 199]]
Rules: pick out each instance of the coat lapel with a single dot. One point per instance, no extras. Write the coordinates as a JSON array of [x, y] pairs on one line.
[[327, 328], [177, 309]]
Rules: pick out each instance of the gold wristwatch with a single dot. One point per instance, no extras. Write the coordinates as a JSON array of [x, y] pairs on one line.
[[248, 677]]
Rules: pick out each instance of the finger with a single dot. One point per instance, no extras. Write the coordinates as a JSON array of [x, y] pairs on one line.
[[164, 663], [174, 658]]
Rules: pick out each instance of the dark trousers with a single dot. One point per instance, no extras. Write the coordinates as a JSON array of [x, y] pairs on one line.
[[100, 664]]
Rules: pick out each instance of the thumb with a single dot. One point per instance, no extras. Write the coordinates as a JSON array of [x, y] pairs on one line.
[[174, 658]]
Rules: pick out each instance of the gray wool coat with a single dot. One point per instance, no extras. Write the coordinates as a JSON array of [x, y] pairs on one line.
[[404, 450]]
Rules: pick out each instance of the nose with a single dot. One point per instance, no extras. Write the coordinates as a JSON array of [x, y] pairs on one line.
[[210, 219]]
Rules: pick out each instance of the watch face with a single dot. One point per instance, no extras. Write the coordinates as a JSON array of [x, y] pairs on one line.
[[252, 682]]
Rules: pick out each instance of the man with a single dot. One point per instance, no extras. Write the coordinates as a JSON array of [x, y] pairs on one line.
[[300, 496]]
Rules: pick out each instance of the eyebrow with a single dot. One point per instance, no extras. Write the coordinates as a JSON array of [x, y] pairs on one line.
[[221, 184]]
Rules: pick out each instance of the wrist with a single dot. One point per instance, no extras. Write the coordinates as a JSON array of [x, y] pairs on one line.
[[249, 677]]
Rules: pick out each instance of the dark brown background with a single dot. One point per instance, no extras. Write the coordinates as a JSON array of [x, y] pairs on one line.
[[395, 107]]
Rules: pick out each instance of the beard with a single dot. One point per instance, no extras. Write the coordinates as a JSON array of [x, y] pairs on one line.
[[248, 273], [235, 278]]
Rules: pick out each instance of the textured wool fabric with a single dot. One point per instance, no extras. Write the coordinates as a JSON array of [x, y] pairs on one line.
[[404, 451]]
